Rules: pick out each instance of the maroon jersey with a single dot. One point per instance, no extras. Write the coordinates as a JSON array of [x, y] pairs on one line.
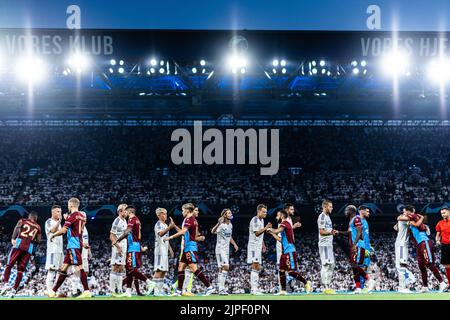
[[287, 237], [29, 233], [190, 242], [75, 224], [134, 237], [414, 217]]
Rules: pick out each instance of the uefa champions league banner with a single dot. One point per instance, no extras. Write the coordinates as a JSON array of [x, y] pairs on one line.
[[188, 45]]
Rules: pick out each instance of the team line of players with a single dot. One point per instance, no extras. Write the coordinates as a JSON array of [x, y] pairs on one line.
[[127, 249]]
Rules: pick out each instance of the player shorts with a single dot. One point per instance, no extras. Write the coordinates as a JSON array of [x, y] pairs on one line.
[[254, 255], [223, 258], [133, 260], [357, 255], [401, 254], [425, 254], [161, 262], [54, 261], [73, 257], [189, 257], [117, 259], [326, 255], [445, 254], [20, 257], [288, 261]]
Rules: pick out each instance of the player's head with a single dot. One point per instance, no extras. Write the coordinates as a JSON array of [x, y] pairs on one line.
[[161, 213], [121, 210], [187, 208], [364, 211], [261, 211], [227, 214], [196, 211], [278, 216], [350, 211], [408, 209], [73, 204], [283, 215], [445, 212], [56, 212], [327, 206], [33, 216], [290, 209], [131, 211]]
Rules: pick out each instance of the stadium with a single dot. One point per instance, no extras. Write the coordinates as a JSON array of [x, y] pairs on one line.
[[355, 118]]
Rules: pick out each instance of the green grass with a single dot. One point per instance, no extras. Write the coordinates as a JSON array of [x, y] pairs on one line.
[[243, 297]]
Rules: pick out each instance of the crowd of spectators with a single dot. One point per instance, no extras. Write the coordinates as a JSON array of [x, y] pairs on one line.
[[45, 165]]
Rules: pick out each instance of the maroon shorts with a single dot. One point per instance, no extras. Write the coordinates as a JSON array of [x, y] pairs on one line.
[[189, 257], [425, 254], [20, 257], [133, 260], [73, 257], [288, 261], [357, 255]]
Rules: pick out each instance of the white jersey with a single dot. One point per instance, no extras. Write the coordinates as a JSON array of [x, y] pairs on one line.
[[118, 228], [56, 245], [161, 246], [255, 242], [402, 234], [324, 222], [224, 233]]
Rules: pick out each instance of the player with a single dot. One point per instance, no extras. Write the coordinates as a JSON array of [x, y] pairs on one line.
[[256, 246], [405, 277], [326, 233], [358, 252], [443, 239], [162, 250], [55, 252], [73, 227], [425, 252], [26, 235], [134, 250], [119, 250], [224, 231], [288, 261], [189, 257], [289, 207]]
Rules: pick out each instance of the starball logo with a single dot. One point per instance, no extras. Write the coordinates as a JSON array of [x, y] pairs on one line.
[[228, 147]]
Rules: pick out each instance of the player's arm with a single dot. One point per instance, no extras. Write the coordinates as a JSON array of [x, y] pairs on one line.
[[16, 230], [403, 217], [276, 237], [38, 237], [214, 229], [198, 236], [171, 253], [260, 232], [180, 233], [123, 235], [275, 231], [60, 232], [417, 223], [358, 234], [324, 232], [170, 227], [438, 238], [236, 248]]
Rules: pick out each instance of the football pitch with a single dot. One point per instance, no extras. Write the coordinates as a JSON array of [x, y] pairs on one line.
[[248, 297]]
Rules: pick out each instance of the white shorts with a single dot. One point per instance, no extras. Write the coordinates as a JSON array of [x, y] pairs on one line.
[[254, 255], [223, 258], [161, 262], [54, 261], [401, 254], [115, 258], [326, 255]]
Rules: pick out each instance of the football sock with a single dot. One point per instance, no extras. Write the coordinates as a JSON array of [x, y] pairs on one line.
[[188, 278], [61, 277], [83, 279], [139, 275], [6, 274], [254, 280], [50, 279], [447, 273], [19, 276], [201, 276], [297, 276], [222, 279], [282, 277], [436, 272], [180, 280], [423, 273]]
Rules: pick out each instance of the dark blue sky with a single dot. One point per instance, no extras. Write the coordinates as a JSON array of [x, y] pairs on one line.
[[227, 14]]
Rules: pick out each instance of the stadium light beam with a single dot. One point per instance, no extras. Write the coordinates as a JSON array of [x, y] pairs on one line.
[[30, 69], [395, 63], [78, 63], [236, 62], [439, 71]]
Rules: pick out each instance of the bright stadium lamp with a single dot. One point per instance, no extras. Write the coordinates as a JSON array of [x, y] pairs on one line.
[[275, 62], [236, 62], [395, 63], [438, 70], [78, 62], [30, 69]]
